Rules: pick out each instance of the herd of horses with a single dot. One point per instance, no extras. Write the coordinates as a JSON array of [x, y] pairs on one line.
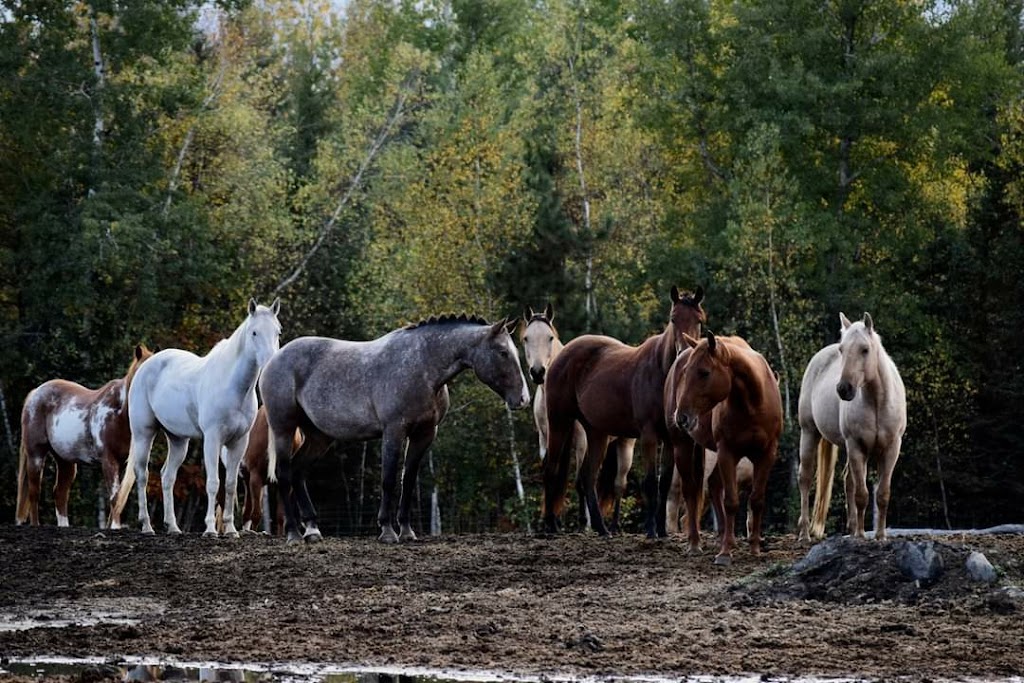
[[711, 403]]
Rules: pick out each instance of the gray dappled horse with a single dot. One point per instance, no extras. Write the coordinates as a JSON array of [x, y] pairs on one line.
[[393, 387]]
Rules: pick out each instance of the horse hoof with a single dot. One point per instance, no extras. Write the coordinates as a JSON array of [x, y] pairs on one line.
[[148, 532], [407, 536], [293, 539], [230, 534], [723, 560], [693, 549], [312, 537], [388, 536], [206, 534]]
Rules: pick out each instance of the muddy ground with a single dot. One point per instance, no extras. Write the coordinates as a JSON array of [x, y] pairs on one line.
[[576, 604]]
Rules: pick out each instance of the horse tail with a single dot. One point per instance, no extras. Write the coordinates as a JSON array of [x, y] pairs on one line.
[[827, 455], [271, 455], [607, 477], [125, 489], [22, 507], [556, 474]]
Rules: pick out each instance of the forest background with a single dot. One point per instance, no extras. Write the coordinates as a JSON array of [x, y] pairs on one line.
[[373, 162]]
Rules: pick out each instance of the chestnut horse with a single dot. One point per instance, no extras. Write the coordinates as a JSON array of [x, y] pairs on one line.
[[613, 390], [726, 396], [541, 345], [851, 394], [674, 505], [76, 425]]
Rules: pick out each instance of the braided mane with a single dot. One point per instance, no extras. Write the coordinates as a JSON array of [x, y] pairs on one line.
[[447, 319]]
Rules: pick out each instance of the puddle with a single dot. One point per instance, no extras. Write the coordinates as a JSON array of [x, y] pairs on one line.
[[8, 623], [85, 612]]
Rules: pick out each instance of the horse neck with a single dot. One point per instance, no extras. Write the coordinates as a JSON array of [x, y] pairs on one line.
[[878, 387], [446, 351], [747, 392], [556, 348], [229, 359], [664, 348]]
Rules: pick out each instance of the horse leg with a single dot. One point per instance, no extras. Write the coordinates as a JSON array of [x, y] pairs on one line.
[[556, 471], [716, 493], [419, 441], [755, 505], [649, 454], [688, 461], [624, 451], [177, 448], [142, 444], [597, 445], [674, 502], [232, 455], [393, 444], [727, 469], [579, 451], [252, 513], [856, 489], [882, 490], [314, 446], [66, 471], [111, 471], [808, 450]]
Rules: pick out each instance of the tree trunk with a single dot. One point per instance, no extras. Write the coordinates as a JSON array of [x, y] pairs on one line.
[[589, 302], [520, 492], [99, 125]]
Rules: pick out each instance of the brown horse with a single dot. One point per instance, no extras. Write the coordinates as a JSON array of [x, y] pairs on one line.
[[76, 425], [541, 346], [712, 480], [727, 397], [613, 390]]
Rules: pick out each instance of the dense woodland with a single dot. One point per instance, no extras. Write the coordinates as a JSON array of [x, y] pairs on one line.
[[373, 162]]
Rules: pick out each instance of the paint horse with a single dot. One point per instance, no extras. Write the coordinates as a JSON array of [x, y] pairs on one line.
[[613, 390], [75, 425], [393, 388], [726, 396], [255, 475], [851, 394], [212, 398], [541, 345]]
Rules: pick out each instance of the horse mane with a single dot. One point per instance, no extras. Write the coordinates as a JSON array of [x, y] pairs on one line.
[[134, 367], [447, 319]]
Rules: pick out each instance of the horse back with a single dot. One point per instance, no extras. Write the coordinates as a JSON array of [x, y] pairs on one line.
[[75, 421]]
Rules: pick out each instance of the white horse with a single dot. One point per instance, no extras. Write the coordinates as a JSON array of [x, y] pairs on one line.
[[541, 346], [212, 398], [852, 395]]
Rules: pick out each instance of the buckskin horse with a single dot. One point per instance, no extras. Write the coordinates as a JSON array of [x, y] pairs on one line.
[[394, 387], [188, 397], [726, 396], [77, 425], [613, 390], [851, 394], [541, 346]]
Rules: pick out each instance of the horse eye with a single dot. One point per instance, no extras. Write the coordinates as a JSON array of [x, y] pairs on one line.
[[504, 353], [703, 373], [254, 333], [863, 352], [551, 338]]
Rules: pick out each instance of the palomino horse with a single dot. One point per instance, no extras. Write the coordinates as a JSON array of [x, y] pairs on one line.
[[212, 398], [76, 425], [541, 345], [727, 397], [613, 390], [393, 387], [853, 395], [674, 505]]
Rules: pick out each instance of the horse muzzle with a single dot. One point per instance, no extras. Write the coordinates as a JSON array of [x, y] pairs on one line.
[[521, 402], [846, 390], [685, 421], [537, 375]]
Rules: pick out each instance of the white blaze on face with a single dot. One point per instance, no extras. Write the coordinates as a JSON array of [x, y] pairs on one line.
[[525, 396]]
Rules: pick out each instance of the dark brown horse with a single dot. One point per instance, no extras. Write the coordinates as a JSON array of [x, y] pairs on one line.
[[76, 425], [613, 390], [727, 397]]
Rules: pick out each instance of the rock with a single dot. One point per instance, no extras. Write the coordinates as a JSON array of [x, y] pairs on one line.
[[919, 560], [820, 555], [980, 569], [1006, 600]]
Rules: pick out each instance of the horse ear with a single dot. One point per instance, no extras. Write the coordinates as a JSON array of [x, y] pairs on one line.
[[698, 295], [674, 294], [868, 322], [252, 306], [276, 306], [510, 325], [138, 351], [549, 312], [844, 320], [690, 341], [528, 313], [498, 327], [712, 343]]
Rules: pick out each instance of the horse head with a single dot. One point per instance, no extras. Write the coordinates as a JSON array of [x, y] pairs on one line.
[[705, 380], [858, 350], [496, 362], [538, 337], [262, 333], [686, 315]]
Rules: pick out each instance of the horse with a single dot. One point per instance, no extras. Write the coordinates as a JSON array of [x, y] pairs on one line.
[[674, 504], [254, 470], [76, 425], [726, 396], [541, 345], [851, 395], [613, 390], [212, 398], [393, 387]]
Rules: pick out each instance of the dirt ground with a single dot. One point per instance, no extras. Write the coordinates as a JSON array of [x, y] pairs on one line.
[[571, 605]]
